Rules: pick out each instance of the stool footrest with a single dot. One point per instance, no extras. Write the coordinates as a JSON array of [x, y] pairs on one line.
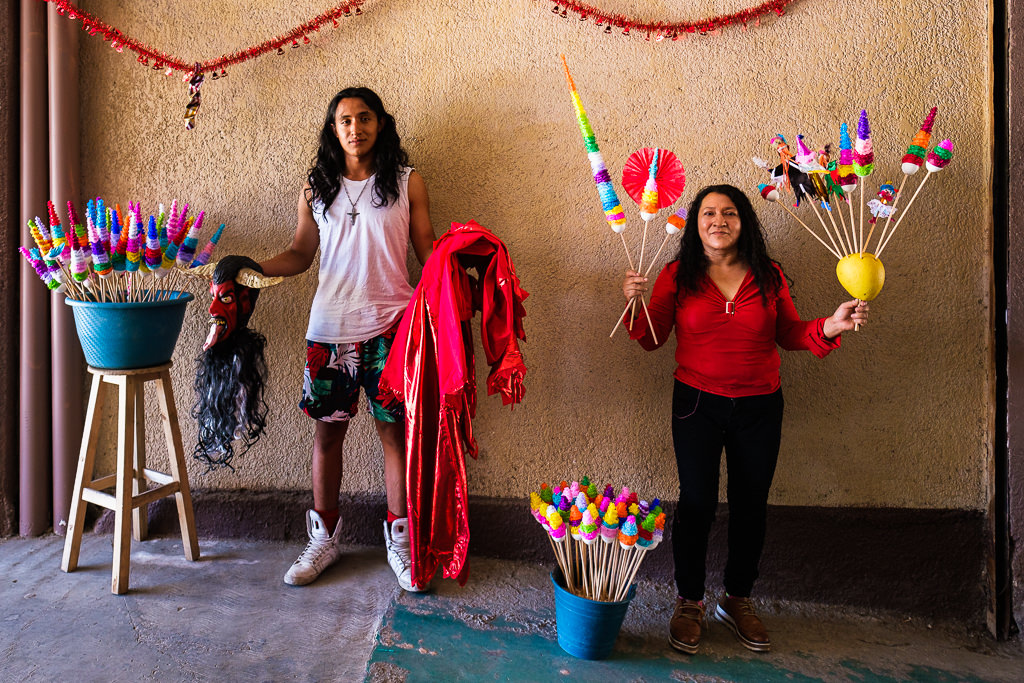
[[157, 477], [147, 497], [109, 501], [106, 500], [106, 482]]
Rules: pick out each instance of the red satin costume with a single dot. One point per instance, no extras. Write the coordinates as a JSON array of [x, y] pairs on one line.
[[430, 370]]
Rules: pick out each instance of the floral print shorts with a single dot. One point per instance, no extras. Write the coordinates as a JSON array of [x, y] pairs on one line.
[[334, 373]]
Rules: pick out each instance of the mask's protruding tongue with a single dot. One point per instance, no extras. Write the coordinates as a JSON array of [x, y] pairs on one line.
[[212, 335]]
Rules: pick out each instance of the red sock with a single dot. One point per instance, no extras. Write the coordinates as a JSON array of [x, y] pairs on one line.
[[392, 517], [330, 518]]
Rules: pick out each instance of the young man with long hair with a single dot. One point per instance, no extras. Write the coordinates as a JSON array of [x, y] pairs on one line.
[[361, 205]]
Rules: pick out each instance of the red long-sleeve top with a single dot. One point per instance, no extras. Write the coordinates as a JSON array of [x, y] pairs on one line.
[[728, 348]]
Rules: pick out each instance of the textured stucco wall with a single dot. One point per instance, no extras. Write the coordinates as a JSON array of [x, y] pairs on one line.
[[896, 418]]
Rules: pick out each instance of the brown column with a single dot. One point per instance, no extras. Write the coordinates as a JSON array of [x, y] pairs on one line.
[[68, 368], [9, 234], [34, 406]]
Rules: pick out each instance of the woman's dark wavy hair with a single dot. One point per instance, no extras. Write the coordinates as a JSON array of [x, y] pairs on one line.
[[328, 165], [693, 262]]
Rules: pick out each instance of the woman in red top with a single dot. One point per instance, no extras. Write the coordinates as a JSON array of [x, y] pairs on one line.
[[730, 306]]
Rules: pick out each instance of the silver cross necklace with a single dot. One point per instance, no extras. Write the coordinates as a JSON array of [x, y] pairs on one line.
[[353, 213]]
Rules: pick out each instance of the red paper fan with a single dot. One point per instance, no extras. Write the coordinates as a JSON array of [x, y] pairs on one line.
[[671, 176]]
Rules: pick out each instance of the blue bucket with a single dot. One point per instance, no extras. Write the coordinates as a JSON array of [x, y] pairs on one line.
[[587, 628], [136, 334]]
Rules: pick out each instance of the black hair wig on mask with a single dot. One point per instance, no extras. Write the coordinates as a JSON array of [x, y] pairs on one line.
[[229, 386], [693, 262], [328, 166], [230, 380]]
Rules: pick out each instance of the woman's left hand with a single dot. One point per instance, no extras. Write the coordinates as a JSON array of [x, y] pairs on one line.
[[847, 316]]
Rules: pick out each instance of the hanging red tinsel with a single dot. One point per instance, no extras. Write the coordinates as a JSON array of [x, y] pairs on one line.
[[162, 61], [661, 29], [194, 71]]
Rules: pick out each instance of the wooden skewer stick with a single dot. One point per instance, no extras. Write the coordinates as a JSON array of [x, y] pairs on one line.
[[628, 555], [900, 219], [860, 246], [639, 267], [629, 258], [895, 201], [624, 590], [583, 564], [566, 569], [820, 219], [868, 240], [619, 321], [839, 210], [650, 323], [853, 222], [643, 246], [835, 227], [656, 255], [613, 566], [790, 212]]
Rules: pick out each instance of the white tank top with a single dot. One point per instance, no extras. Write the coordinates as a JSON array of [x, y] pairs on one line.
[[364, 282]]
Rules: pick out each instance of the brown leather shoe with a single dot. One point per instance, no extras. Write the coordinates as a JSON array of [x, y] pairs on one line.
[[685, 628], [739, 615]]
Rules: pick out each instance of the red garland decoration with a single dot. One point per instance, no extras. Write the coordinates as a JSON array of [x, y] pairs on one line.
[[169, 63], [662, 30]]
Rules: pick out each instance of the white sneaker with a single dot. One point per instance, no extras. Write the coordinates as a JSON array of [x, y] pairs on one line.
[[396, 540], [321, 552]]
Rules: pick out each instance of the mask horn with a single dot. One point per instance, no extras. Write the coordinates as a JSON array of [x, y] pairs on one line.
[[247, 277], [204, 271]]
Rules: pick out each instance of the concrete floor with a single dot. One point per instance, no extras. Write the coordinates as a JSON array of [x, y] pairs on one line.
[[229, 617]]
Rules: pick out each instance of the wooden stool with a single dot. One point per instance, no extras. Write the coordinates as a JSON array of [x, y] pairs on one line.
[[131, 497]]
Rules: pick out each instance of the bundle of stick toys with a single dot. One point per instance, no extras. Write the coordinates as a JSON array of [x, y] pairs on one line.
[[653, 177], [114, 257], [599, 539], [815, 178]]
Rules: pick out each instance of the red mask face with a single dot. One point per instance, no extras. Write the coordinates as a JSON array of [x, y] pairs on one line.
[[230, 309]]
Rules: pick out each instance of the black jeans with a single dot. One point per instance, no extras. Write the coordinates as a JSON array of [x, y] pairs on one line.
[[750, 430]]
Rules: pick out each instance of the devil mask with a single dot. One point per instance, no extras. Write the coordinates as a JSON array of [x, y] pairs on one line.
[[233, 303], [230, 372]]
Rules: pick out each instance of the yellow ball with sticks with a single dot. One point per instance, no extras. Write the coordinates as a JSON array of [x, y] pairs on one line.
[[862, 275]]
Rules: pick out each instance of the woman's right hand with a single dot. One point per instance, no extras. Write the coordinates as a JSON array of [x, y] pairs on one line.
[[634, 285]]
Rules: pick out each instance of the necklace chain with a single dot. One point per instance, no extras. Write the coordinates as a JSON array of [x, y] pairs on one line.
[[353, 213]]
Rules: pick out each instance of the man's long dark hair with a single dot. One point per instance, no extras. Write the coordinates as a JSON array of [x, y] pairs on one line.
[[693, 262], [328, 166]]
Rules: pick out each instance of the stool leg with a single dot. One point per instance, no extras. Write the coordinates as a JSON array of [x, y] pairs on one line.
[[176, 453], [140, 515], [122, 513], [86, 459]]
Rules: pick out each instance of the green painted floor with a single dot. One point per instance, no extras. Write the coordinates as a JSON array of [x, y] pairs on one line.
[[426, 644], [502, 627]]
